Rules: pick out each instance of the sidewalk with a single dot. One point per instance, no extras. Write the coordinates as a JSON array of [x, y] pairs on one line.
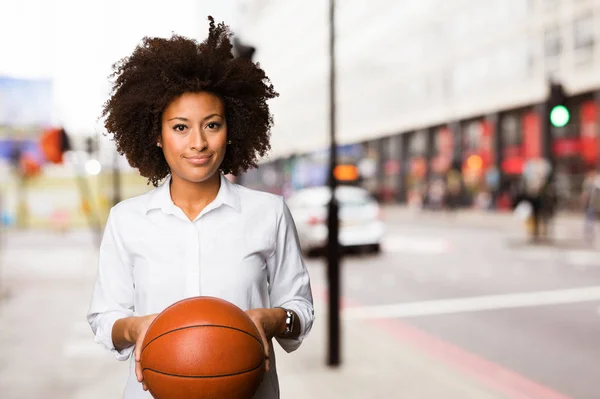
[[47, 350], [375, 365]]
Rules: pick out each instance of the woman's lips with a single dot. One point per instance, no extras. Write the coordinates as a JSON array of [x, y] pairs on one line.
[[199, 160]]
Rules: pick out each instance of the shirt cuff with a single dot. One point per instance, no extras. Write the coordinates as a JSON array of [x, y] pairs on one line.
[[104, 336], [306, 318]]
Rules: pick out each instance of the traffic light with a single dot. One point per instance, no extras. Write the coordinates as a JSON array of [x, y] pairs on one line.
[[54, 143], [243, 51], [91, 145], [558, 112]]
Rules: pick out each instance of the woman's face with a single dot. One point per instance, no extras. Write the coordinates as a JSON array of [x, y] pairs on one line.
[[194, 136]]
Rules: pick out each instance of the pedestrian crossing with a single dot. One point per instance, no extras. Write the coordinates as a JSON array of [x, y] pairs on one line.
[[415, 245], [473, 304]]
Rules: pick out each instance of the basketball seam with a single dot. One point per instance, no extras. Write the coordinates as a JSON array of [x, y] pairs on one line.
[[203, 376], [200, 325]]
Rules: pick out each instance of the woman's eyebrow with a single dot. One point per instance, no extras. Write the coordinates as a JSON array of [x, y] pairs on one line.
[[181, 118], [211, 115]]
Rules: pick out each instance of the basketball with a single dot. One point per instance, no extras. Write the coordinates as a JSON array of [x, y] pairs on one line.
[[202, 348]]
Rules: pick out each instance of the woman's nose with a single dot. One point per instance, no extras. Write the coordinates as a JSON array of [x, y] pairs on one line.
[[197, 140]]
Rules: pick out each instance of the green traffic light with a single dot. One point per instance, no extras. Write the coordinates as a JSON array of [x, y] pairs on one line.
[[559, 116]]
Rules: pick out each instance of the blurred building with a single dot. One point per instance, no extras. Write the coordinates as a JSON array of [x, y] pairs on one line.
[[429, 85]]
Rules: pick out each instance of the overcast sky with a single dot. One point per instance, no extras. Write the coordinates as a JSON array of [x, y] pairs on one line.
[[74, 43]]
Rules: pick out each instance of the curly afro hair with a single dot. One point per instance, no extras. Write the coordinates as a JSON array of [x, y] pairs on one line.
[[160, 70]]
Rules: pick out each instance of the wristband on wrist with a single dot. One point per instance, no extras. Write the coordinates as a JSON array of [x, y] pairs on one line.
[[289, 322]]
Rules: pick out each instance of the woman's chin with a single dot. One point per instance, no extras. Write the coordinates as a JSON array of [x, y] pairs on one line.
[[198, 176]]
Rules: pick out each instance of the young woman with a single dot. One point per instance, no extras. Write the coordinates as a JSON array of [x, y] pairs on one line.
[[184, 114]]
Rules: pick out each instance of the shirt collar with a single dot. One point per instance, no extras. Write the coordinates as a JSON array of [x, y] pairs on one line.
[[228, 194], [160, 198]]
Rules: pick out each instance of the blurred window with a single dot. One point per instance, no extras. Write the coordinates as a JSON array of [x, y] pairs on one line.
[[552, 42], [391, 147], [511, 132], [443, 141], [418, 143], [472, 135], [583, 32], [583, 39]]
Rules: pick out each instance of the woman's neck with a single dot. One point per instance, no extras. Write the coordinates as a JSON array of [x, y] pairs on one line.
[[192, 197]]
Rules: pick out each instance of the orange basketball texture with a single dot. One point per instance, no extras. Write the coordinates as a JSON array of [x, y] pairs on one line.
[[202, 348]]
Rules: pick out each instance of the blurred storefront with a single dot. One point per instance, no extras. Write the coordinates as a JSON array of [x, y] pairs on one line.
[[391, 167], [489, 154], [369, 166], [443, 152], [416, 167], [478, 159]]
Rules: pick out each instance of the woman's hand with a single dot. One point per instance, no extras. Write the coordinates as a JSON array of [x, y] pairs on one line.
[[138, 331], [269, 322]]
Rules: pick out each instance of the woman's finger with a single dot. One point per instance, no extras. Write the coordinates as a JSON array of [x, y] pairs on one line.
[[138, 371], [267, 364], [263, 336], [138, 364], [261, 330]]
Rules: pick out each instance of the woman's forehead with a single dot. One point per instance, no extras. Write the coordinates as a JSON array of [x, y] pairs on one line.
[[195, 104]]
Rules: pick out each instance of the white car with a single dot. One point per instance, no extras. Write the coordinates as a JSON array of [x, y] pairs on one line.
[[360, 218]]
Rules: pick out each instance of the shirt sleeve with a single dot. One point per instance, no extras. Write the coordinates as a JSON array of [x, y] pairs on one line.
[[113, 294], [289, 282]]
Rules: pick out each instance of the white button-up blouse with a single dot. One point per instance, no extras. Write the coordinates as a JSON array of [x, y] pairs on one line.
[[243, 247]]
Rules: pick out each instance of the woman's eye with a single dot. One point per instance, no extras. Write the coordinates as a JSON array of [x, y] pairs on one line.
[[213, 125], [179, 128]]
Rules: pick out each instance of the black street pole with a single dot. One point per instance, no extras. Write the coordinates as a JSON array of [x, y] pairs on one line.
[[333, 252]]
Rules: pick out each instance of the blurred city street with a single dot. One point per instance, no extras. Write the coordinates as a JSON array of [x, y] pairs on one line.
[[451, 147], [455, 306]]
